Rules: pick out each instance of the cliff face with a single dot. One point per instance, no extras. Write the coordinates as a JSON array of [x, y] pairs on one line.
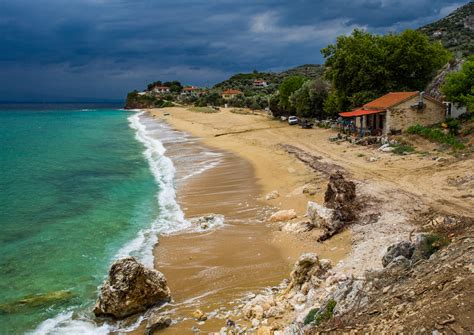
[[455, 31], [434, 88]]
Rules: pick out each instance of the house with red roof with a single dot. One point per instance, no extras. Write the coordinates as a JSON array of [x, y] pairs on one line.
[[396, 111], [230, 93]]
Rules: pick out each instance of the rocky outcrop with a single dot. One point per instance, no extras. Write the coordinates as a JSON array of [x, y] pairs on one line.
[[404, 248], [283, 215], [131, 288]]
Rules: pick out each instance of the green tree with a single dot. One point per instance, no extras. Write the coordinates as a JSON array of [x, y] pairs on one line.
[[153, 84], [363, 66], [334, 104], [175, 86], [286, 89], [274, 105], [308, 100], [459, 86], [211, 99]]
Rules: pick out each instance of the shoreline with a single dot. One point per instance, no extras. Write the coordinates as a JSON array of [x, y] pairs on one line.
[[247, 254]]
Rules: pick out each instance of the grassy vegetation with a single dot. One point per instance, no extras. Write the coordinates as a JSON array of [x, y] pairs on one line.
[[436, 135], [203, 110], [317, 316], [402, 149]]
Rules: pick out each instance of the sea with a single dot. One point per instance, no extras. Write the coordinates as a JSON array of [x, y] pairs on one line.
[[80, 186]]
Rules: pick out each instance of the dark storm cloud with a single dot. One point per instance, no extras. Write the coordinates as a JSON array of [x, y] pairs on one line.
[[103, 48]]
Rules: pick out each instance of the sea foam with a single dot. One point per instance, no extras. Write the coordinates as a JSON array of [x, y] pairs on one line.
[[171, 217]]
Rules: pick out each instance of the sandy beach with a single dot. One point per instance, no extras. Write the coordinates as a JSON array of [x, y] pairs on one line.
[[214, 269], [209, 270]]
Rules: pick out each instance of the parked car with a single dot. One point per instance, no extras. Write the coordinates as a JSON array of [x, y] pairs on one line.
[[283, 118], [292, 120]]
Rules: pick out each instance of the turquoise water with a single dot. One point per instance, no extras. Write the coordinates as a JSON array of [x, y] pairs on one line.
[[75, 187]]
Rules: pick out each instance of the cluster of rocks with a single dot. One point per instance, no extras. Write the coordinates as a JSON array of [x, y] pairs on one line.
[[269, 313], [402, 255]]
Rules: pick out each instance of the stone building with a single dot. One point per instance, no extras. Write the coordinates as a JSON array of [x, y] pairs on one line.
[[396, 111]]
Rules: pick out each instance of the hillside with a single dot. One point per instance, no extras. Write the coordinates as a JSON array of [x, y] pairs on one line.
[[244, 81], [455, 31]]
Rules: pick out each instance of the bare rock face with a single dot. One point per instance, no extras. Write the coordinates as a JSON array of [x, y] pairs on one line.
[[131, 288], [404, 248]]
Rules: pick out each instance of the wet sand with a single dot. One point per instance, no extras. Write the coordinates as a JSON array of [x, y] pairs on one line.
[[209, 270]]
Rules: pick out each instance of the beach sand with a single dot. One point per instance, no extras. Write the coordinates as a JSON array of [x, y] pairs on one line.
[[208, 270]]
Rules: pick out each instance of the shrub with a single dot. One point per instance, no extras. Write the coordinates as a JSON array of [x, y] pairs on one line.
[[311, 315], [436, 135], [317, 316]]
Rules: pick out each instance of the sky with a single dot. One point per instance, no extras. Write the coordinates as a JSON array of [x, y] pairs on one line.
[[78, 50]]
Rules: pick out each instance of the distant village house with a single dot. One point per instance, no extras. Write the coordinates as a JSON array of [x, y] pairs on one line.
[[396, 111], [260, 83], [191, 90], [161, 89], [229, 94]]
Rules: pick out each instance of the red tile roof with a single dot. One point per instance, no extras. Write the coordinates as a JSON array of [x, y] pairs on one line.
[[390, 99], [360, 112], [231, 91]]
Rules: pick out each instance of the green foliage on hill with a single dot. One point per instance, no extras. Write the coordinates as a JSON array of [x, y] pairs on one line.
[[455, 31], [244, 81], [364, 66], [459, 86], [137, 101]]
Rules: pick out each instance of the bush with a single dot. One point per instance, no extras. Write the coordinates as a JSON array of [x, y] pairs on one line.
[[436, 135], [317, 316], [453, 126]]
